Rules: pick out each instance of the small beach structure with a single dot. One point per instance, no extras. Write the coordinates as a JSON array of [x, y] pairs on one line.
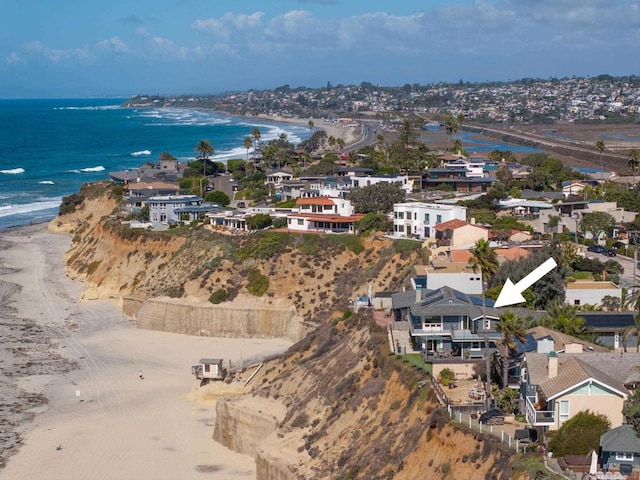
[[210, 368]]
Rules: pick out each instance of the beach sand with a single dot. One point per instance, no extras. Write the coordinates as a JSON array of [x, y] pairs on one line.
[[84, 357]]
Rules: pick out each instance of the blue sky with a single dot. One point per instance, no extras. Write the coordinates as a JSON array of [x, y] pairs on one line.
[[123, 47]]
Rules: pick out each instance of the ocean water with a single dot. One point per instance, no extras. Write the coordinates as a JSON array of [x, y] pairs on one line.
[[50, 147]]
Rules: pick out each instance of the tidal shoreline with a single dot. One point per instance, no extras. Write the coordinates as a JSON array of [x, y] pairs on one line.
[[70, 379]]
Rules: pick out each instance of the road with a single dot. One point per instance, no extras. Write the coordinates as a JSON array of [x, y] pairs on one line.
[[368, 138]]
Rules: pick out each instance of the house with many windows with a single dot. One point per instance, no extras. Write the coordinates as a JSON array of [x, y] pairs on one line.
[[175, 209], [447, 322], [323, 214], [418, 219]]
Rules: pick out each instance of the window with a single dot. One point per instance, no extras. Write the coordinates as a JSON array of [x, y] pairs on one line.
[[564, 410], [300, 221], [576, 302], [624, 456], [426, 218], [438, 218], [475, 346], [401, 215], [415, 215]]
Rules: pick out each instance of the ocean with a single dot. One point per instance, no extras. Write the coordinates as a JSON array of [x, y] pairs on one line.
[[50, 147]]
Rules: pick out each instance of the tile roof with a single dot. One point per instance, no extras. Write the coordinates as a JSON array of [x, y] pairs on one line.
[[451, 225], [315, 201]]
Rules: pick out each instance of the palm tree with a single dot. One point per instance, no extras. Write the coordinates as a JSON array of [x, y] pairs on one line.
[[600, 147], [255, 133], [632, 331], [204, 148], [340, 143], [311, 125], [484, 259], [451, 127], [633, 162], [512, 328], [564, 318], [247, 144]]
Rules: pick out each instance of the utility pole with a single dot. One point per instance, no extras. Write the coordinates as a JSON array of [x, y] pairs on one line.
[[634, 235]]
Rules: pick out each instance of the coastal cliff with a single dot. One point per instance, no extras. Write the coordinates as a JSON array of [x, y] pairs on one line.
[[337, 405]]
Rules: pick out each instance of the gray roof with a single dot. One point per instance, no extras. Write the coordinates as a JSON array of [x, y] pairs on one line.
[[620, 439], [572, 371], [624, 367]]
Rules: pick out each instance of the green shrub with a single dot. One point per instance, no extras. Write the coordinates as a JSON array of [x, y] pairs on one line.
[[447, 376], [93, 266], [580, 434], [349, 241], [219, 296], [310, 244], [69, 203], [258, 283], [405, 246]]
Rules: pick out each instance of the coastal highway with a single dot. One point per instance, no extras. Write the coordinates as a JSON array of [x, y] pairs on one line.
[[369, 134]]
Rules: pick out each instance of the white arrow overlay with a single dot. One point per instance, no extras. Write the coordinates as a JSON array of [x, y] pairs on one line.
[[511, 293]]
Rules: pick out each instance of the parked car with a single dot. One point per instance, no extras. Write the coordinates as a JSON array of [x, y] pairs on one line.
[[492, 417], [609, 252], [595, 248]]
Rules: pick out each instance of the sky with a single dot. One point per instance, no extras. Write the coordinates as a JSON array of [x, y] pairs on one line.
[[80, 48]]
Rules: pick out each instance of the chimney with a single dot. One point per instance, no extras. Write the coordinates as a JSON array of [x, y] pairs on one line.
[[553, 364], [418, 294]]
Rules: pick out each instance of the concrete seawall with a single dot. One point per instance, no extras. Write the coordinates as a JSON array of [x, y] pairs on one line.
[[205, 319]]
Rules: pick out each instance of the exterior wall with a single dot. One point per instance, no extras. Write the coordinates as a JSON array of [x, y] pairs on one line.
[[359, 182], [465, 282], [590, 296], [162, 209], [418, 219], [468, 235], [603, 403]]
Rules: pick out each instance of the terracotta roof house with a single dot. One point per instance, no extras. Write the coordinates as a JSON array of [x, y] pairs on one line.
[[323, 214], [458, 233]]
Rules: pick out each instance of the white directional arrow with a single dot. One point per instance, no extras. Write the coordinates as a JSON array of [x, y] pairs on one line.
[[511, 294]]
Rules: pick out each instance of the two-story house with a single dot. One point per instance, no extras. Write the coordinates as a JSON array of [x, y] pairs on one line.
[[323, 214], [457, 233], [557, 386], [174, 209], [418, 219]]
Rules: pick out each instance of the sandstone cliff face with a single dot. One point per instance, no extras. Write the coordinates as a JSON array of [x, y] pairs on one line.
[[337, 405]]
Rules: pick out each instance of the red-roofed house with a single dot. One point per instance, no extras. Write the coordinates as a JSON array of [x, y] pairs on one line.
[[323, 214], [457, 233]]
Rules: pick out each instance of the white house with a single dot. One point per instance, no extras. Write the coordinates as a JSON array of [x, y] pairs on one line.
[[590, 293], [417, 219], [403, 180], [442, 274], [323, 214], [471, 168]]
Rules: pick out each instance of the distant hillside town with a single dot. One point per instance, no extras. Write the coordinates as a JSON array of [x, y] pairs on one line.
[[600, 99]]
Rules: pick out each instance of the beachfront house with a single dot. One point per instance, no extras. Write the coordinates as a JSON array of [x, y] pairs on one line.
[[620, 450]]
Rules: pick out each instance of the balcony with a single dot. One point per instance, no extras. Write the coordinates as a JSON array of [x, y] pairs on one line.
[[538, 418], [436, 328]]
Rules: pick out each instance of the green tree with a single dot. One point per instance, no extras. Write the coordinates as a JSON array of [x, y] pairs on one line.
[[631, 411], [597, 223], [564, 318], [580, 434], [255, 133], [451, 127], [512, 328], [378, 197], [204, 148], [600, 147], [633, 162], [218, 197], [259, 221], [611, 303], [374, 222], [247, 144], [483, 258], [311, 125]]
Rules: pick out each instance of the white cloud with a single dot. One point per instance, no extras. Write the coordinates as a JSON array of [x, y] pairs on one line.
[[15, 59], [58, 55], [113, 44]]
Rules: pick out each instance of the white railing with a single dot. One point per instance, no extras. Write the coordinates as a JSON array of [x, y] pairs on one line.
[[538, 417]]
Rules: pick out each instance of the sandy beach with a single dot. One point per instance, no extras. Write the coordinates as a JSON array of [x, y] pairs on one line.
[[84, 357]]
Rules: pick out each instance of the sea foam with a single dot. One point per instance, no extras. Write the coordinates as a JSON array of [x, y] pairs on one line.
[[140, 153], [7, 210], [13, 171], [46, 182]]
